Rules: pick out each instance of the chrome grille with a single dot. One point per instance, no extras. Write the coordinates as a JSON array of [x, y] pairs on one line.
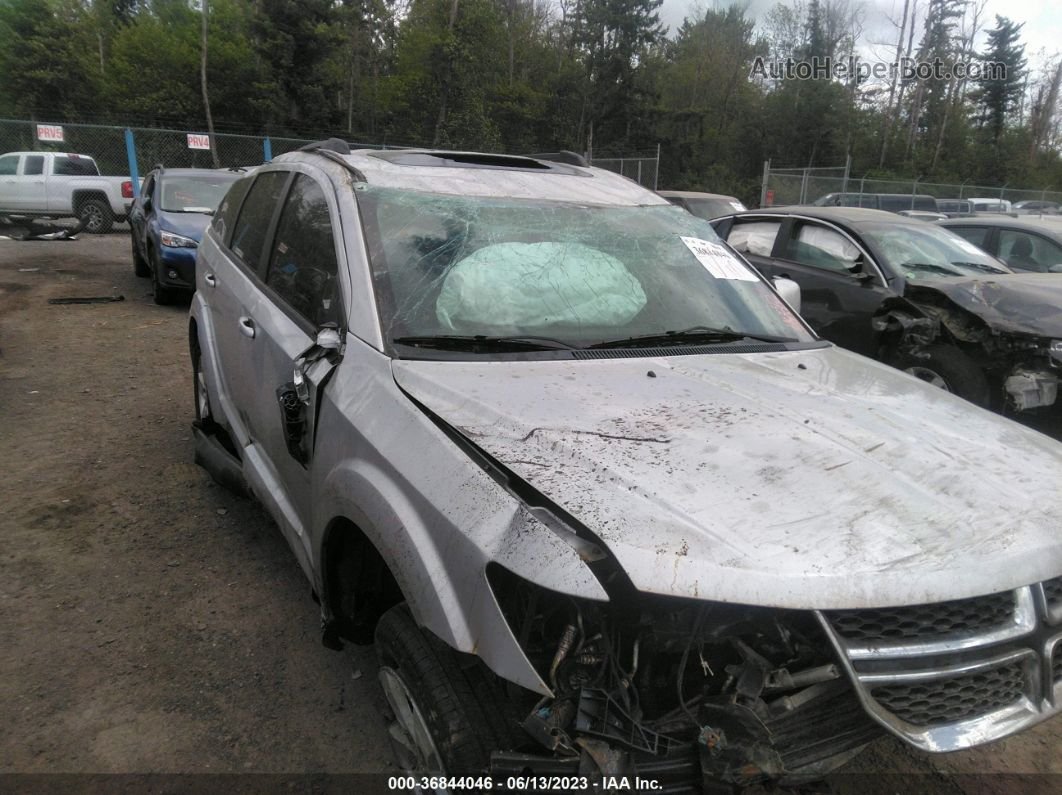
[[964, 616], [958, 673], [958, 698]]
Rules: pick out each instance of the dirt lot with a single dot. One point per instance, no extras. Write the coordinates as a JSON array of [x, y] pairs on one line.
[[150, 622]]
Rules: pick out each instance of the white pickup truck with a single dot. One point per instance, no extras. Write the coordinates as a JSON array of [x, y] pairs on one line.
[[61, 185]]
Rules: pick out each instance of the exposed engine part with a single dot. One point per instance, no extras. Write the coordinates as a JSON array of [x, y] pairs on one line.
[[1029, 389], [731, 693]]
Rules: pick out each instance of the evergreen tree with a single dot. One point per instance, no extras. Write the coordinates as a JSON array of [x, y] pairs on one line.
[[997, 99]]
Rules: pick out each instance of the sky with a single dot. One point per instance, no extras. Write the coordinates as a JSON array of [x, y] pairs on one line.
[[1042, 18]]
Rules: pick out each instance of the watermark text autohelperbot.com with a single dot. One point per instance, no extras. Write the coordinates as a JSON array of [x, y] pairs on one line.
[[853, 67]]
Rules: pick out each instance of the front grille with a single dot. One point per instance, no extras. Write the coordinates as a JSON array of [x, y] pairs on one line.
[[1053, 592], [950, 700], [964, 616]]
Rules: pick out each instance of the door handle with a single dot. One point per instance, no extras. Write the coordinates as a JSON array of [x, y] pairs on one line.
[[210, 279], [247, 327]]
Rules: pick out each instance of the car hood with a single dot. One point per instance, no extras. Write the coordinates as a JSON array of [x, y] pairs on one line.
[[191, 225], [1021, 303], [811, 479]]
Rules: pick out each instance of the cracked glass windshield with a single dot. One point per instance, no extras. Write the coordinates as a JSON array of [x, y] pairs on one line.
[[557, 275]]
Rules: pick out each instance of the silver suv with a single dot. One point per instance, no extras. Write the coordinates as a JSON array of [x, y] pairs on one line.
[[602, 500]]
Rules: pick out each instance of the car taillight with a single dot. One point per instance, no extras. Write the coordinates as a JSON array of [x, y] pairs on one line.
[[127, 190]]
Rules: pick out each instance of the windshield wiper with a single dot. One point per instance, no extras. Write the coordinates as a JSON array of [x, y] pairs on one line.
[[695, 335], [981, 266], [482, 342], [929, 266]]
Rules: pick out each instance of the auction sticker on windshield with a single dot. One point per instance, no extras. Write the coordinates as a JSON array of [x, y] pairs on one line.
[[718, 261]]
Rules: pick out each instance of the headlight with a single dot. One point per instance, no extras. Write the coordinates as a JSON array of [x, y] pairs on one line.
[[176, 241], [1055, 350]]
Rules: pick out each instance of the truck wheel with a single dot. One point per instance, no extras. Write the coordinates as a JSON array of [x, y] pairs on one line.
[[96, 216], [448, 714], [163, 295], [949, 368], [140, 266]]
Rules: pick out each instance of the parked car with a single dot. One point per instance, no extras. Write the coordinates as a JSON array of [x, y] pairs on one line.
[[990, 205], [955, 208], [1025, 244], [890, 202], [62, 185], [703, 205], [602, 500], [1037, 207], [167, 222], [914, 295]]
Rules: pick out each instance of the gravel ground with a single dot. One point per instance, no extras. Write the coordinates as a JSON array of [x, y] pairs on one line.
[[150, 622]]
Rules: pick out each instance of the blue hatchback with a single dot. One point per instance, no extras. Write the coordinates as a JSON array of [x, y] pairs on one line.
[[167, 222]]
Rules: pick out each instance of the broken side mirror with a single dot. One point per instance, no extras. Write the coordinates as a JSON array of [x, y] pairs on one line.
[[789, 290], [859, 271], [328, 343]]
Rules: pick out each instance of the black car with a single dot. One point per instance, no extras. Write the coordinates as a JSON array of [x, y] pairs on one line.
[[1027, 245], [916, 296]]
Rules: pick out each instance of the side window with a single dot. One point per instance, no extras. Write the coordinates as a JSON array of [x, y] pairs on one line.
[[973, 234], [755, 237], [74, 167], [33, 165], [1026, 252], [820, 247], [302, 264], [249, 233], [8, 165], [230, 204], [147, 187]]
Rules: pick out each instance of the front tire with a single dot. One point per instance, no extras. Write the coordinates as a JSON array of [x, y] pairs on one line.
[[96, 216], [448, 713], [947, 367]]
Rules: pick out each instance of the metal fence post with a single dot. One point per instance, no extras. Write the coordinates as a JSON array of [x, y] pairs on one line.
[[267, 150], [804, 188], [766, 179], [656, 174], [130, 152], [847, 168]]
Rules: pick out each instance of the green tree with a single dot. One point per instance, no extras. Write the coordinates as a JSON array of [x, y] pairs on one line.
[[997, 99]]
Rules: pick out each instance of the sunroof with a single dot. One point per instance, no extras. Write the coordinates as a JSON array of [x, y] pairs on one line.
[[471, 160]]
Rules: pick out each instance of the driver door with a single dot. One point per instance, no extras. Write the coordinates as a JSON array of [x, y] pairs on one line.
[[297, 342]]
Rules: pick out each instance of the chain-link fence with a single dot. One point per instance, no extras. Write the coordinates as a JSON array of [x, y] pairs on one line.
[[643, 170], [783, 186], [122, 151]]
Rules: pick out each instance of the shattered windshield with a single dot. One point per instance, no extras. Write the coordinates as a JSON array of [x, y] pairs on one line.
[[925, 251], [557, 274], [201, 194]]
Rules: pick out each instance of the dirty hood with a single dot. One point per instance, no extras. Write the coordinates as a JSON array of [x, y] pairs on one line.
[[1019, 303], [812, 479]]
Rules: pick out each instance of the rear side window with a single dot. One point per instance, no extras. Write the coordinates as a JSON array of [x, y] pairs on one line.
[[252, 226], [755, 237], [230, 205], [8, 165], [74, 167], [33, 166], [302, 264]]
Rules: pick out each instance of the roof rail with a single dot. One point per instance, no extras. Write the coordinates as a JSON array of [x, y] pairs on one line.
[[337, 145], [564, 156]]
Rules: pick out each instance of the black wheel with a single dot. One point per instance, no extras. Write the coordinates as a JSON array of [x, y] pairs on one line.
[[96, 216], [949, 368], [448, 712], [140, 266], [163, 295]]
